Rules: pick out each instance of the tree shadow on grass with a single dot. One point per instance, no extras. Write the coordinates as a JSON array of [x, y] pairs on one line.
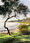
[[14, 40]]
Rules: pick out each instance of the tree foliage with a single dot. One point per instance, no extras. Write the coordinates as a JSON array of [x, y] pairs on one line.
[[13, 4]]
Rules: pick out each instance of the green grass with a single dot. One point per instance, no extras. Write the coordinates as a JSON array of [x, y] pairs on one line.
[[15, 37], [28, 28]]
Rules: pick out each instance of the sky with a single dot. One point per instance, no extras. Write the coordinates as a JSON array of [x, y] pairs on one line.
[[26, 2], [1, 2]]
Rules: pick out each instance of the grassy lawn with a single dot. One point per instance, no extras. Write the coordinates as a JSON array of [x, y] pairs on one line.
[[14, 38]]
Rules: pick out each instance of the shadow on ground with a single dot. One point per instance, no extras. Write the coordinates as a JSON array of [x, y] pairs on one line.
[[14, 40]]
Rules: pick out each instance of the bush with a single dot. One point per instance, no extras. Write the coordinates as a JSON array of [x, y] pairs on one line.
[[24, 29]]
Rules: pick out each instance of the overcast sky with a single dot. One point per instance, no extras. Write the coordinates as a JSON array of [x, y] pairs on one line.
[[26, 2]]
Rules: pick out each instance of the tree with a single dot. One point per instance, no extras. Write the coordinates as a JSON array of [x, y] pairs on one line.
[[10, 5], [22, 9]]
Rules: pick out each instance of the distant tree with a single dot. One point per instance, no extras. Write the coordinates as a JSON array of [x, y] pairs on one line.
[[10, 5]]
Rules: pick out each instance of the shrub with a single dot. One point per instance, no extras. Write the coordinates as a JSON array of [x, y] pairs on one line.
[[23, 29]]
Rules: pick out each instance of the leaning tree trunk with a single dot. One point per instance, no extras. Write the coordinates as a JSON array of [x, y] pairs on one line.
[[6, 27], [5, 24]]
